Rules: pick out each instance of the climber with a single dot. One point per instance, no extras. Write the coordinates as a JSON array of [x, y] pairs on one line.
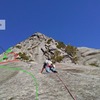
[[48, 66], [52, 68]]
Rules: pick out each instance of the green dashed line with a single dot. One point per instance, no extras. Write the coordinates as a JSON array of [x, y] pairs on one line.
[[19, 69], [5, 54]]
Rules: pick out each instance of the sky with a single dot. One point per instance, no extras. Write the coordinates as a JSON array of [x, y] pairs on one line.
[[75, 22]]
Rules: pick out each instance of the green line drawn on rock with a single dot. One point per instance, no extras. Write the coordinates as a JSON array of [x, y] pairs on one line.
[[8, 50], [19, 69], [5, 54]]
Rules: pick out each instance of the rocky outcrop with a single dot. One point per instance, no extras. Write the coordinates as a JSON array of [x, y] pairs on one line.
[[39, 47], [89, 56]]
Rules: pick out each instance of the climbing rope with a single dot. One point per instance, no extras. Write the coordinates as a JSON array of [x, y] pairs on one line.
[[65, 86]]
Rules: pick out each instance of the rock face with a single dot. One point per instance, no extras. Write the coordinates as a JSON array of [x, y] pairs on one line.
[[22, 80], [82, 81], [89, 56]]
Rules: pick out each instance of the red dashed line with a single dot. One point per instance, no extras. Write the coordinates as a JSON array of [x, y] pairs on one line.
[[15, 58]]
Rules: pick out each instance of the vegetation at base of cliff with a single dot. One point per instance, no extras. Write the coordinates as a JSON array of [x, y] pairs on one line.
[[23, 56], [60, 45], [72, 52]]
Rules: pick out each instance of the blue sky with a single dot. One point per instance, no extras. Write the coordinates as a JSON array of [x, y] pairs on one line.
[[71, 21]]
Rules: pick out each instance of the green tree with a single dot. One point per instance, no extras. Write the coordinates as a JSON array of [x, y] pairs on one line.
[[23, 56], [61, 45], [72, 52], [48, 42], [57, 57]]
